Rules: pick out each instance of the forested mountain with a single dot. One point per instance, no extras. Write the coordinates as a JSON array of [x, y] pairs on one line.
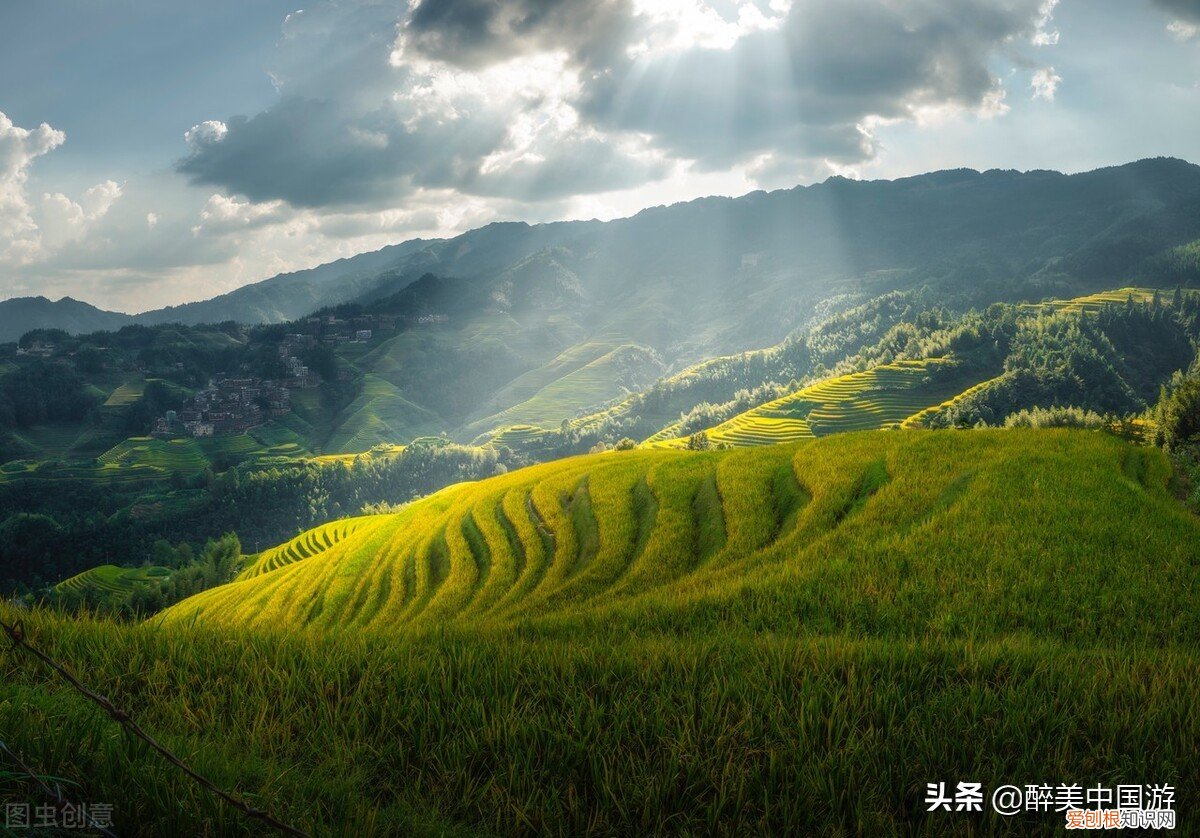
[[718, 274], [21, 314]]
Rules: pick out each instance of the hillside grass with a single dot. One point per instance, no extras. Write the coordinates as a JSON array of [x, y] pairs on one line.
[[788, 639]]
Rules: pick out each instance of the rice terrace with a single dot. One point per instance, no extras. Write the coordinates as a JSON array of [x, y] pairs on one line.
[[614, 418]]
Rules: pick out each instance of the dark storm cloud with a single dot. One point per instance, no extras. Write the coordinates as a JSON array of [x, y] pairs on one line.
[[363, 121], [1188, 10], [470, 33]]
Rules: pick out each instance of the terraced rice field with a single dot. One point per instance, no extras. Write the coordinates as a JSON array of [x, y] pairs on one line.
[[582, 382], [380, 414], [234, 445], [304, 546], [917, 420], [173, 455], [1094, 302], [379, 451], [126, 394], [668, 433], [520, 438], [589, 530], [782, 640], [882, 397], [112, 579], [601, 532]]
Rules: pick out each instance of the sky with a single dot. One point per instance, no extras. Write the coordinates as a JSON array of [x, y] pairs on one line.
[[154, 152]]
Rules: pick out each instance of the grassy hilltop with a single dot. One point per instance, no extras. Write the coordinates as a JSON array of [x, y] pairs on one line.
[[790, 638]]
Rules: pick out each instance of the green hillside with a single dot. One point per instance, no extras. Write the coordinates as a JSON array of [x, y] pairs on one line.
[[668, 532], [881, 397], [572, 386], [784, 639]]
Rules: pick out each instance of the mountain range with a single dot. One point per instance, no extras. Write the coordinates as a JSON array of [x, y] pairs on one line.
[[987, 235]]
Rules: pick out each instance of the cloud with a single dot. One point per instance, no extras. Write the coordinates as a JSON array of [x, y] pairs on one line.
[[19, 147], [206, 134], [33, 231], [1045, 83], [545, 100], [62, 221], [1182, 9], [224, 215], [1044, 35], [477, 33], [1185, 25], [834, 68], [367, 119]]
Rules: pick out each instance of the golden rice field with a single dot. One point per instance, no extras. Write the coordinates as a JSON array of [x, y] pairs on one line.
[[781, 640], [304, 546], [606, 530], [881, 397], [1094, 302], [112, 579], [520, 438]]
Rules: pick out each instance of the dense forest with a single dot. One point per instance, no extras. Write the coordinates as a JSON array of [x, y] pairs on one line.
[[79, 525]]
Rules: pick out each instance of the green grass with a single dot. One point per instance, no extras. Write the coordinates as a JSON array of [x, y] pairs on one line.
[[790, 639]]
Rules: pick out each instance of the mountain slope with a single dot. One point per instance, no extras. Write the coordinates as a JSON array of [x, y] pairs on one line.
[[936, 523], [677, 271], [292, 295], [22, 314]]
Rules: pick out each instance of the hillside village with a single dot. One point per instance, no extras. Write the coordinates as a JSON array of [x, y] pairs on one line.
[[232, 404]]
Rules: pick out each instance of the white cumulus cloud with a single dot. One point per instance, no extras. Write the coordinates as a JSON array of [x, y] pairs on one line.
[[1045, 83], [207, 133], [19, 147]]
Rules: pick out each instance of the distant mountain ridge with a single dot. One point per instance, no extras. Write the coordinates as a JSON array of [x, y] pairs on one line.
[[22, 314], [994, 234], [278, 299]]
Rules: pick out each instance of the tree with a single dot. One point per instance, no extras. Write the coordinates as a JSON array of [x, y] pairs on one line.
[[1178, 413], [699, 442], [220, 559]]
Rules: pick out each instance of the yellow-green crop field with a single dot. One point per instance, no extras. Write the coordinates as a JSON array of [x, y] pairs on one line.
[[1094, 302], [789, 639], [881, 397], [112, 579], [304, 546], [519, 438]]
